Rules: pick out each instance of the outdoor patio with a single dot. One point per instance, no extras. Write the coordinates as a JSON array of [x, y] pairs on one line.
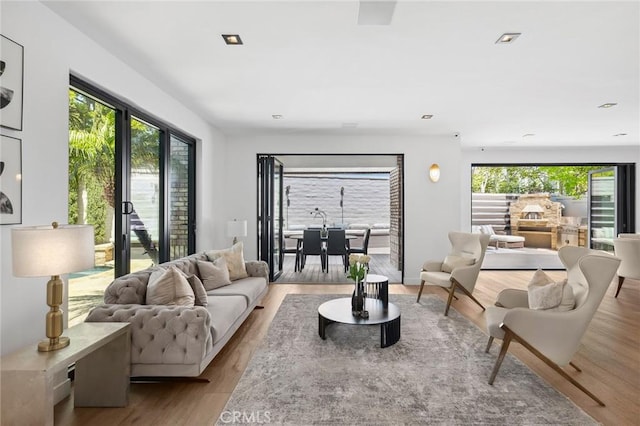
[[312, 272]]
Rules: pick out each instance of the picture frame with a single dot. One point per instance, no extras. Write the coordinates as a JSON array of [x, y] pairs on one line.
[[10, 180], [11, 83]]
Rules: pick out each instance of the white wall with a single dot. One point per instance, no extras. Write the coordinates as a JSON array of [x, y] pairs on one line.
[[52, 49], [431, 209], [629, 154]]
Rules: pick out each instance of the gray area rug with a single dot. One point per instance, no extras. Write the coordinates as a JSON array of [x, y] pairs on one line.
[[436, 374]]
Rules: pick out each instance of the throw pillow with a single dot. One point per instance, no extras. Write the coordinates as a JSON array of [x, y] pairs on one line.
[[169, 287], [214, 274], [545, 294], [234, 258], [487, 229], [452, 261], [568, 301], [199, 291]]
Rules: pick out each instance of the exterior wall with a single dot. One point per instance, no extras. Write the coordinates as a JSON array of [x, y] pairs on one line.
[[395, 233], [366, 200]]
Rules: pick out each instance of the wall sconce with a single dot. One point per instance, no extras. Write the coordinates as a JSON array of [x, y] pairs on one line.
[[434, 172]]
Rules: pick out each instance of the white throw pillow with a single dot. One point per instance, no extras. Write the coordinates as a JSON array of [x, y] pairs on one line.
[[169, 287], [487, 229], [234, 258], [545, 294], [452, 261], [214, 274]]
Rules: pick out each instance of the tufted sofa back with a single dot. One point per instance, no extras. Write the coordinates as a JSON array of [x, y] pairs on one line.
[[132, 288]]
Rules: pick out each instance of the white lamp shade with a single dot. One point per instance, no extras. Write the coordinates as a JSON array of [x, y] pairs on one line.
[[40, 251], [237, 228]]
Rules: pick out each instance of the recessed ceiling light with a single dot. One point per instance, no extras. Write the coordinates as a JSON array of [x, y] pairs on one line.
[[427, 117], [232, 39], [277, 116], [620, 134], [507, 38], [528, 135], [607, 105]]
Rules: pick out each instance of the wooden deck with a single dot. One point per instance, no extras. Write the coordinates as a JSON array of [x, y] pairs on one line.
[[312, 272]]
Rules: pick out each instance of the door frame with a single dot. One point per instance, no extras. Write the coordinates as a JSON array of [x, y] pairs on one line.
[[625, 181], [122, 168], [399, 156]]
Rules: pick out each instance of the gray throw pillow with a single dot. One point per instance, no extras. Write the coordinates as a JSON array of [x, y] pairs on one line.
[[214, 274], [198, 290]]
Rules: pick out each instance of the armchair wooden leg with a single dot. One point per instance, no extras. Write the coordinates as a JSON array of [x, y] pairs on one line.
[[508, 334], [420, 292], [489, 343], [447, 291], [620, 281], [465, 291], [503, 351], [452, 289]]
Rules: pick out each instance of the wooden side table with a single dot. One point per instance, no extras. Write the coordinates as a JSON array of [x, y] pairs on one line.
[[101, 352]]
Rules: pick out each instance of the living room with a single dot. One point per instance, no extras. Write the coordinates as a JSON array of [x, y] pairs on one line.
[[225, 160]]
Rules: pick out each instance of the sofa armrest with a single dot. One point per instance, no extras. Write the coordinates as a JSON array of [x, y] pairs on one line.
[[161, 334], [257, 268]]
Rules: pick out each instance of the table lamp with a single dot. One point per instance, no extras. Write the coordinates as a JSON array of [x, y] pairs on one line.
[[236, 228], [40, 251]]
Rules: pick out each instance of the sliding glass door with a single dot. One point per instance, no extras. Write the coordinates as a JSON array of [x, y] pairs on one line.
[[132, 177], [182, 204], [611, 205], [270, 217], [144, 204]]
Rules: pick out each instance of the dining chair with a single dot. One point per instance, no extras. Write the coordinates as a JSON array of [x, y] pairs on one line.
[[337, 246], [364, 249], [291, 245], [312, 246]]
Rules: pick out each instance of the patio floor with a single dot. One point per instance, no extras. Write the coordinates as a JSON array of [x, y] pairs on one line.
[[312, 272]]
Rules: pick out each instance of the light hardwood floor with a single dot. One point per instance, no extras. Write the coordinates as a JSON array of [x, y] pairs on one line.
[[609, 357]]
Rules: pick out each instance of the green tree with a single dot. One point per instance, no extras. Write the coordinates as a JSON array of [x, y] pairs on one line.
[[565, 180], [91, 160]]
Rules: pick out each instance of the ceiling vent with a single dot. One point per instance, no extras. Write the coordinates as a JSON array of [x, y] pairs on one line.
[[376, 12]]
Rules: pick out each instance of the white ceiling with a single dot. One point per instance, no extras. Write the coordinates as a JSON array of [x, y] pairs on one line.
[[312, 63]]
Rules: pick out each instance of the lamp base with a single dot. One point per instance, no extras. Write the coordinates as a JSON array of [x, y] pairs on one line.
[[49, 345]]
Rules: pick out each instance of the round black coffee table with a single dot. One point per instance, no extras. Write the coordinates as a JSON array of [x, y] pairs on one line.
[[339, 310]]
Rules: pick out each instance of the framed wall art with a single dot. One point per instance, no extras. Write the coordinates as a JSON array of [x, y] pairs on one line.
[[10, 180], [11, 72]]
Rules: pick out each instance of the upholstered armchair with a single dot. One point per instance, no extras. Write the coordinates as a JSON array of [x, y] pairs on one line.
[[459, 271], [627, 248], [554, 335]]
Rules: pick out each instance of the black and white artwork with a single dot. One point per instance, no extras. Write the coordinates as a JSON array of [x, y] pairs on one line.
[[10, 180], [11, 67]]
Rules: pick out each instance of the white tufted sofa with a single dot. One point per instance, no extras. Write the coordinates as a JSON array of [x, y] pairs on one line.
[[180, 340]]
